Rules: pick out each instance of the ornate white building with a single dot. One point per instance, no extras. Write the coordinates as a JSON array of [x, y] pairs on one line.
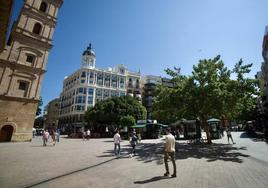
[[88, 85]]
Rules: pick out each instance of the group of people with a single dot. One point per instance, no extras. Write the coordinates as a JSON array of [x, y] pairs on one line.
[[54, 135], [86, 135], [133, 140], [169, 148]]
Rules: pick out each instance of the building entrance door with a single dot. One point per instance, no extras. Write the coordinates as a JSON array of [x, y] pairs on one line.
[[6, 133]]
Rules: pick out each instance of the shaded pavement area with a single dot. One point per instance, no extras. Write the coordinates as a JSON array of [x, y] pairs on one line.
[[78, 163]]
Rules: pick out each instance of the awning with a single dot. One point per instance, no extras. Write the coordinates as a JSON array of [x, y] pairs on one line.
[[139, 126], [157, 124], [214, 120], [162, 125]]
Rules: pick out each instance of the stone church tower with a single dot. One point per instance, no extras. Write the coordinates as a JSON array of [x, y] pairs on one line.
[[22, 67]]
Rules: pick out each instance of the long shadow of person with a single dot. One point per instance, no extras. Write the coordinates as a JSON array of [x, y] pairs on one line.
[[156, 178]]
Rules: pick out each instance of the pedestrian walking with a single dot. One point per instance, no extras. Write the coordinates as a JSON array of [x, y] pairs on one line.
[[58, 136], [84, 135], [139, 137], [88, 134], [117, 140], [53, 136], [45, 137], [133, 142], [229, 136], [169, 151]]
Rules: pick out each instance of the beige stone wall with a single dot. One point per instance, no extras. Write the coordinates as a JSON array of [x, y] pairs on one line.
[[22, 21], [29, 2], [5, 80], [18, 102], [21, 116], [52, 10]]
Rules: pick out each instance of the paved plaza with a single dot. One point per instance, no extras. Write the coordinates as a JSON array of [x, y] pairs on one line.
[[78, 163]]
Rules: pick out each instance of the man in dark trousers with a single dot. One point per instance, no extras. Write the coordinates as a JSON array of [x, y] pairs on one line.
[[169, 150]]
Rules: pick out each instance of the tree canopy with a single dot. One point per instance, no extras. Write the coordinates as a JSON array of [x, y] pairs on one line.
[[210, 91], [39, 110], [127, 121], [110, 111]]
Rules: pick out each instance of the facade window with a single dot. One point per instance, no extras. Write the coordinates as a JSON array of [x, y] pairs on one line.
[[80, 107], [122, 83], [122, 94], [114, 94], [91, 76], [107, 80], [37, 28], [80, 90], [99, 93], [83, 81], [137, 84], [83, 75], [100, 79], [114, 81], [23, 85], [80, 99], [106, 93], [122, 71], [43, 7], [30, 58], [90, 99], [90, 91]]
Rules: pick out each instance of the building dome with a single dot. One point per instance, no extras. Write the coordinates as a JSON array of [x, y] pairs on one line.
[[89, 51]]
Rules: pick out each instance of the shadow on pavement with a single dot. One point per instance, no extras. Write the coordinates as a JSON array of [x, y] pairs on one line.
[[69, 173], [255, 139], [157, 178], [154, 152], [124, 152], [244, 135]]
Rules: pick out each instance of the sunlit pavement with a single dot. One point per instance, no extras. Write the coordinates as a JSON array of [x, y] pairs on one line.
[[78, 163]]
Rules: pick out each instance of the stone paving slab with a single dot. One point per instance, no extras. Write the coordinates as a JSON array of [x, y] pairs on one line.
[[78, 163]]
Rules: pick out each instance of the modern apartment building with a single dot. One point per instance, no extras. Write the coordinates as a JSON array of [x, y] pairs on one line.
[[51, 114], [149, 84], [89, 85]]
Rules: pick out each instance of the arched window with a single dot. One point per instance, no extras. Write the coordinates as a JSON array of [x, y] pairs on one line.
[[37, 28], [43, 7]]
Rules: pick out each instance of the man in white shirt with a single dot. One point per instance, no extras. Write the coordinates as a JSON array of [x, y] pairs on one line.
[[88, 134], [170, 152], [117, 140]]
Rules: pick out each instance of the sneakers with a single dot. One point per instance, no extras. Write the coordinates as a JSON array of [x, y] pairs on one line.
[[166, 174], [173, 175]]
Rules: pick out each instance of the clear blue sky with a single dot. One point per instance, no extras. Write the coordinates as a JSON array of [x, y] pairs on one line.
[[152, 35]]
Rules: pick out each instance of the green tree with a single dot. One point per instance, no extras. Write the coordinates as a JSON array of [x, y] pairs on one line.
[[127, 121], [110, 111], [208, 92], [39, 110]]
